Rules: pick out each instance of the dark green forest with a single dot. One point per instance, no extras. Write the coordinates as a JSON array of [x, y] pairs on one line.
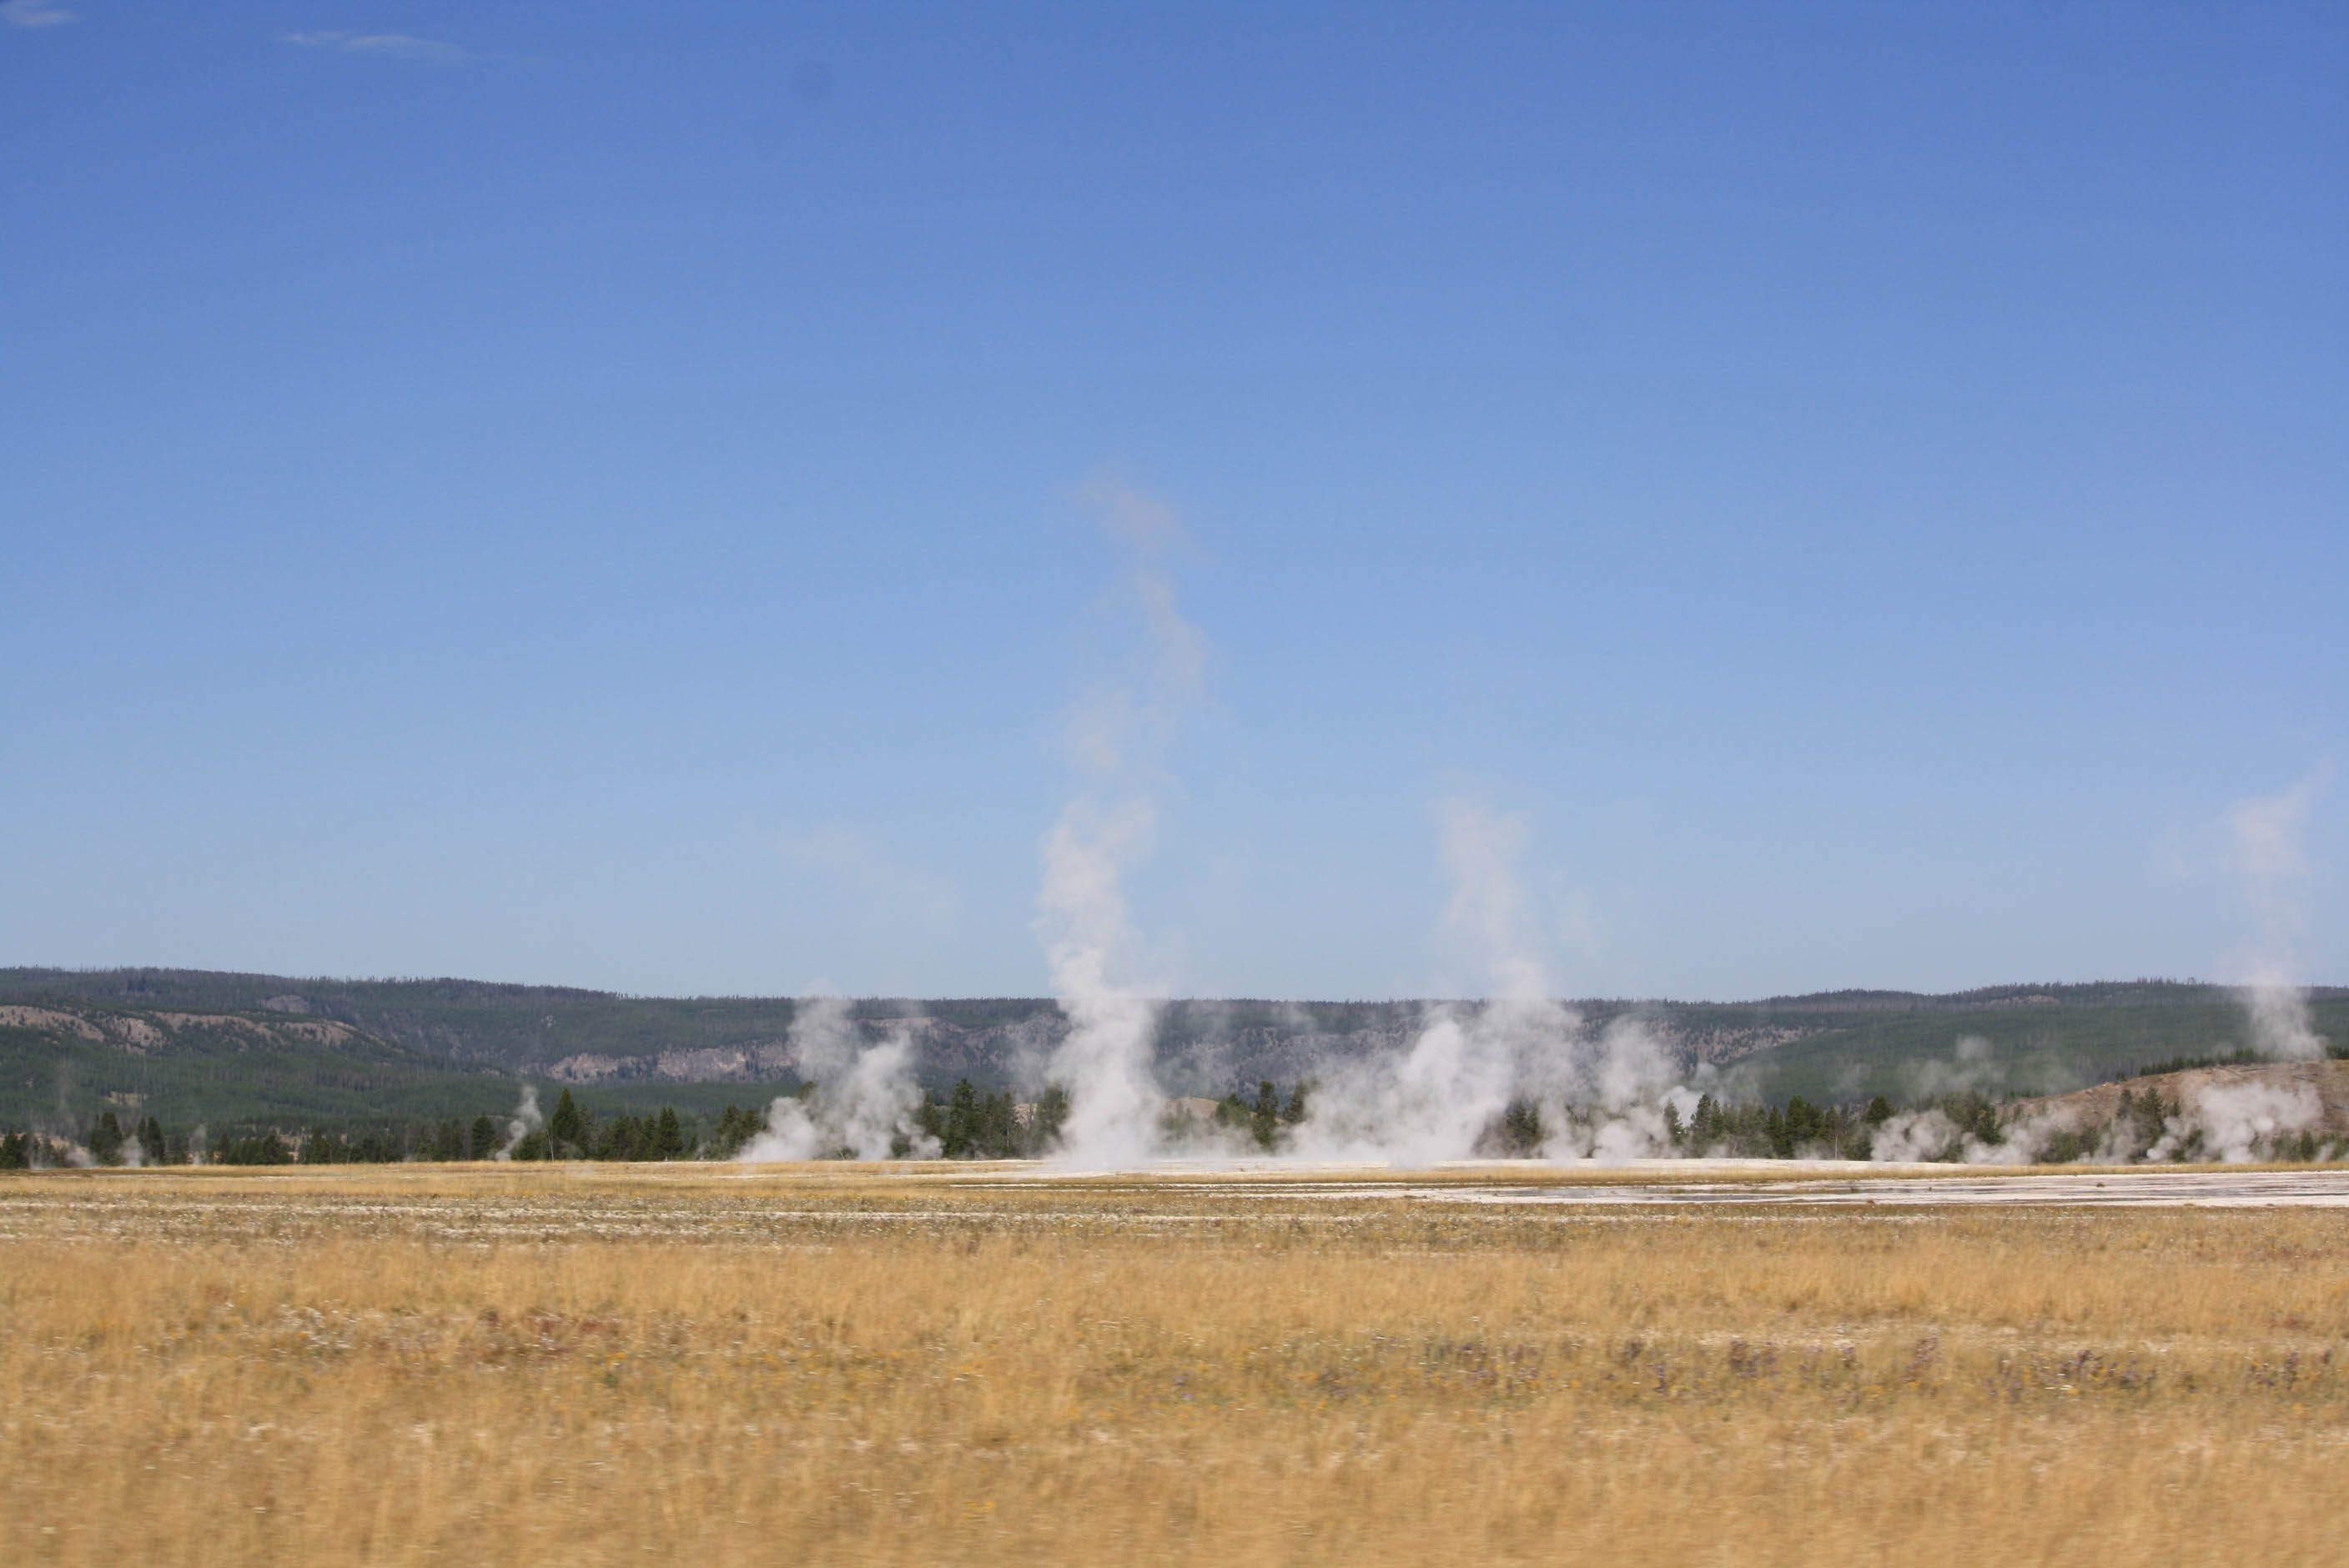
[[423, 1037], [372, 1069]]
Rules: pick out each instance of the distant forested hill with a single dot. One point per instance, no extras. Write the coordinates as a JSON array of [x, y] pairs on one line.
[[61, 1061], [200, 1044]]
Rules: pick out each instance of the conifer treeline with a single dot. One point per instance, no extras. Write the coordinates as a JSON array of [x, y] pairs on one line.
[[964, 1125], [571, 1133], [967, 1124], [1267, 1116]]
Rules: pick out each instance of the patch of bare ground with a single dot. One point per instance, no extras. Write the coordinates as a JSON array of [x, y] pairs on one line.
[[2091, 1108]]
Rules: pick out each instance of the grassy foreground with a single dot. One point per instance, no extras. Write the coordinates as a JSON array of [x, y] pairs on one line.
[[435, 1364]]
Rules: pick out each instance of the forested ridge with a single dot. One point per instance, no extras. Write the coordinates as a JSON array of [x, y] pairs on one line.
[[405, 1059]]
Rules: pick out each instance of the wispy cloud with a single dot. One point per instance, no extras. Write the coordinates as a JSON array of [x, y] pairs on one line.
[[888, 890], [385, 46], [1131, 718], [2267, 833], [34, 14]]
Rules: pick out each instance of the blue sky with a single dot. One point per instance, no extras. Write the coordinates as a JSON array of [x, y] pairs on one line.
[[593, 493]]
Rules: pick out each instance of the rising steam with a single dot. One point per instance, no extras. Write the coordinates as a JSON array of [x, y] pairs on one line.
[[1114, 1100], [1599, 1097], [862, 1101], [2265, 834], [526, 1121], [2239, 1122]]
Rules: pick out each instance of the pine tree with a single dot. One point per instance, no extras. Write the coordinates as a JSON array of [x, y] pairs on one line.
[[1052, 1110], [1294, 1112], [1521, 1133], [735, 1128], [151, 1142], [1264, 1116], [962, 1122], [105, 1139], [618, 1139], [260, 1148], [483, 1140], [999, 1127], [566, 1130], [668, 1136]]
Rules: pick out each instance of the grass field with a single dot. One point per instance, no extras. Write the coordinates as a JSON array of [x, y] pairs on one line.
[[665, 1364]]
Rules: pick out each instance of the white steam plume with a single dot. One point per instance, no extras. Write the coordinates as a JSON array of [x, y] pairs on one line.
[[2239, 1121], [526, 1121], [1114, 1099], [1488, 907], [1916, 1135], [1434, 1101], [2265, 834], [1973, 1067], [863, 1098], [1600, 1098]]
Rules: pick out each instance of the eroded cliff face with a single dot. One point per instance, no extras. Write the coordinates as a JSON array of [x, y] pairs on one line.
[[994, 1053], [1203, 1048], [141, 1034]]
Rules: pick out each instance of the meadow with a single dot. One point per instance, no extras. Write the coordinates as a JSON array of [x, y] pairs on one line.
[[411, 1365]]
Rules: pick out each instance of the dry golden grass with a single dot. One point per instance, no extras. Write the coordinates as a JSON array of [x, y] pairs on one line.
[[421, 1366]]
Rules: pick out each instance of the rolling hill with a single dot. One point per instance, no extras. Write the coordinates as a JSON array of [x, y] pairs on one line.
[[196, 1044]]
